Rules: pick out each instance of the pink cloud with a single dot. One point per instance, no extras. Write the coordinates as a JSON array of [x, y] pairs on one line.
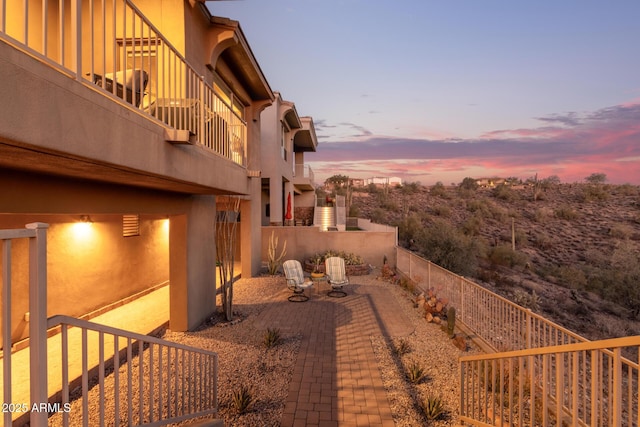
[[573, 147]]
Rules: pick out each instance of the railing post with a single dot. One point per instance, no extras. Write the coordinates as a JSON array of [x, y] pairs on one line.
[[529, 331], [38, 321], [76, 37], [616, 418]]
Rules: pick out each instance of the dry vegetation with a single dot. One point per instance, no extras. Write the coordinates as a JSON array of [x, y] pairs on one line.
[[577, 257]]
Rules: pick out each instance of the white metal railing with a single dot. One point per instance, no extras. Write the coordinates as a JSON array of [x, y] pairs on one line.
[[155, 382], [304, 171], [581, 384], [36, 234], [500, 323], [110, 44], [170, 383]]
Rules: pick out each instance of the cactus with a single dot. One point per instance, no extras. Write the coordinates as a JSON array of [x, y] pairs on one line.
[[451, 321], [274, 260]]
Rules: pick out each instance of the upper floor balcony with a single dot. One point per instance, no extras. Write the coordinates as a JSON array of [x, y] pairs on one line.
[[303, 178], [105, 84]]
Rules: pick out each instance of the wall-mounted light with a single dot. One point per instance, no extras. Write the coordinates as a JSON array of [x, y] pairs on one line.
[[86, 219]]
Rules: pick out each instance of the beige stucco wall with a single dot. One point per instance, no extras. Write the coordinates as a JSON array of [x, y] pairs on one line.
[[303, 242], [88, 265]]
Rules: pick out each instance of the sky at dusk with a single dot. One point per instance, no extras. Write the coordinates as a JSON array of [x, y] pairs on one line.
[[441, 90]]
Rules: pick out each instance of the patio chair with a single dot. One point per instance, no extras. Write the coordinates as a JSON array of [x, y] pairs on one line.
[[336, 276], [296, 280]]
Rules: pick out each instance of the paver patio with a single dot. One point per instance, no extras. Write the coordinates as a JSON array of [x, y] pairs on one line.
[[336, 380]]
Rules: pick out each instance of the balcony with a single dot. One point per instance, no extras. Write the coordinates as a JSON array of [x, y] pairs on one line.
[[116, 51], [303, 178]]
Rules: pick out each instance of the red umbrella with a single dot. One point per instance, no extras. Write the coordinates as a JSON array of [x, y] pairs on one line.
[[288, 215]]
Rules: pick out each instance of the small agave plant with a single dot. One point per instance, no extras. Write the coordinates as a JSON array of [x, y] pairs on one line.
[[433, 407], [415, 373], [271, 337], [242, 399]]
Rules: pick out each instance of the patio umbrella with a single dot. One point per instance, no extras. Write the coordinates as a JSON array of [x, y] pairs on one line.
[[288, 215]]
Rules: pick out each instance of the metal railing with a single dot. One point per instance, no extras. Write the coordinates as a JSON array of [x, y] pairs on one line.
[[304, 171], [546, 375], [582, 384], [110, 44], [498, 322], [36, 234], [154, 382]]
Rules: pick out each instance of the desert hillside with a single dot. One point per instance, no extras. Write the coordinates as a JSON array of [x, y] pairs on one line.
[[577, 246]]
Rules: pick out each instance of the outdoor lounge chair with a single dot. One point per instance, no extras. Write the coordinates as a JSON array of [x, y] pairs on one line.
[[296, 280], [134, 82], [336, 276]]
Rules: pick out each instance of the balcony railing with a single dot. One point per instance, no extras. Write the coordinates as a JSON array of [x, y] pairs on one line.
[[304, 171], [110, 44]]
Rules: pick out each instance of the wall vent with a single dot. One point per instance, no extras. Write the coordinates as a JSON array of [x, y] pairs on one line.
[[130, 225]]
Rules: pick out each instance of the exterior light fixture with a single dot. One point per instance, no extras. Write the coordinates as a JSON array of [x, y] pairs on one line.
[[86, 219]]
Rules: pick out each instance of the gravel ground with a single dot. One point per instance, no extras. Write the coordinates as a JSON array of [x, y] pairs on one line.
[[244, 360]]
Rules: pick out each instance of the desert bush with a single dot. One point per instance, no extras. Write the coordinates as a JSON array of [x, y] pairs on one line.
[[592, 193], [626, 190], [505, 256], [620, 231], [571, 277], [379, 216], [438, 190], [566, 212], [442, 211], [449, 248], [542, 215], [504, 192], [408, 228], [527, 300], [473, 225], [468, 184], [542, 240], [478, 206]]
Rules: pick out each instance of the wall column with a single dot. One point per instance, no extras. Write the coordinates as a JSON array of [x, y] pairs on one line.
[[192, 255]]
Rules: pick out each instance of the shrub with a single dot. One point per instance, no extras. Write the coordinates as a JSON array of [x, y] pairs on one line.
[[505, 256], [565, 212], [527, 300], [433, 407], [438, 189], [402, 347], [468, 184], [542, 215], [242, 399], [442, 211], [621, 231], [504, 192], [271, 337], [449, 248], [473, 225], [415, 373]]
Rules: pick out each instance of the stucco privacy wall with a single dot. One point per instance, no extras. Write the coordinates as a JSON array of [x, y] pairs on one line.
[[303, 242]]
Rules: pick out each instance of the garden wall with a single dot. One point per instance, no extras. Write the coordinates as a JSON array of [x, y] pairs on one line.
[[303, 242]]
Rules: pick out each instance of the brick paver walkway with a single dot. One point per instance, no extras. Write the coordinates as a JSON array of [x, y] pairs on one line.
[[336, 381]]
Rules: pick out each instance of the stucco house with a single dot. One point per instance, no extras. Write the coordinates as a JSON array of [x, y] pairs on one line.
[[120, 125], [287, 182]]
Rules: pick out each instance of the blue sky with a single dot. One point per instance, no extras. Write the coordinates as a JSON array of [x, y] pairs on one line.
[[440, 90]]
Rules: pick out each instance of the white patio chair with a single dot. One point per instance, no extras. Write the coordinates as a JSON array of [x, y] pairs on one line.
[[296, 280], [336, 276]]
